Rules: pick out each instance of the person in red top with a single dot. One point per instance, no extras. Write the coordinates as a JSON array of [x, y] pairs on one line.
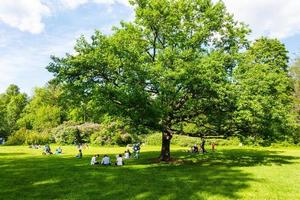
[[213, 146]]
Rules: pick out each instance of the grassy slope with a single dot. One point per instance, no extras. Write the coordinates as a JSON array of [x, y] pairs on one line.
[[230, 173]]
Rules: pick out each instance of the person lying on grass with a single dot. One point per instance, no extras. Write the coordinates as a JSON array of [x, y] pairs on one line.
[[119, 161], [105, 160], [94, 160]]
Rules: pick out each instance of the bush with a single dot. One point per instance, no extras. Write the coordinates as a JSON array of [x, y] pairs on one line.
[[153, 139], [253, 141], [113, 132], [110, 132], [17, 138], [70, 132], [24, 136]]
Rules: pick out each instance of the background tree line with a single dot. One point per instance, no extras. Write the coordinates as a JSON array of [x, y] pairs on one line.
[[181, 67]]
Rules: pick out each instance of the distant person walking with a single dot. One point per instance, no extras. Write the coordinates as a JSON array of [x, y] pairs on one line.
[[136, 150]]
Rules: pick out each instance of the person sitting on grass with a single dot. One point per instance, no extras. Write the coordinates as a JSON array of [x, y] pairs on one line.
[[195, 149], [79, 155], [105, 160], [94, 160], [47, 150], [119, 161], [58, 151], [127, 154]]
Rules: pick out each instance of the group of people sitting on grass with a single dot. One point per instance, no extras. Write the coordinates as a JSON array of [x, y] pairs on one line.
[[35, 146], [195, 148], [47, 150], [119, 158], [106, 160]]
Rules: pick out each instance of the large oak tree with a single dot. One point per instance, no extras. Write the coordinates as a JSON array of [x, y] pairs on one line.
[[170, 67]]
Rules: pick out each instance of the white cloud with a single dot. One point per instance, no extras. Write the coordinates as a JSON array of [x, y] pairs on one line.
[[25, 15], [72, 4], [274, 18], [110, 2]]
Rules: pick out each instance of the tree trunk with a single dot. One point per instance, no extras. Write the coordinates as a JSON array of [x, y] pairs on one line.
[[165, 146]]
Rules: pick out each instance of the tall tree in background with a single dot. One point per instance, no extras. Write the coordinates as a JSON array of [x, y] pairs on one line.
[[171, 65], [264, 101], [43, 110], [12, 103], [295, 74]]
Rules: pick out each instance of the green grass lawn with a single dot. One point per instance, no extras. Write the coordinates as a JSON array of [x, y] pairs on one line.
[[229, 173]]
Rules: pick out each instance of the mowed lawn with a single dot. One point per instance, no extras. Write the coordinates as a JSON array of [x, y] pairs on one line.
[[229, 173]]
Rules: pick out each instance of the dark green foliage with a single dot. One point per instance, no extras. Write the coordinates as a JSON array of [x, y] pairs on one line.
[[264, 101], [295, 75]]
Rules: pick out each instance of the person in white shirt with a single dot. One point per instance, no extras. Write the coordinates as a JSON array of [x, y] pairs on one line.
[[105, 160], [94, 160], [126, 155], [119, 160]]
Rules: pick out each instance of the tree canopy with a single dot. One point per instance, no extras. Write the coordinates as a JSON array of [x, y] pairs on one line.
[[170, 66]]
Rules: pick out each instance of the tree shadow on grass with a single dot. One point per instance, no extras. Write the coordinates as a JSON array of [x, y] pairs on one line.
[[11, 154], [196, 177], [237, 158]]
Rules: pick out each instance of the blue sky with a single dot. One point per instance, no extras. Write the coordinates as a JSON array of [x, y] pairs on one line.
[[32, 30]]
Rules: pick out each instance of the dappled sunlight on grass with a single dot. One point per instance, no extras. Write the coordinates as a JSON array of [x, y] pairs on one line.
[[225, 174]]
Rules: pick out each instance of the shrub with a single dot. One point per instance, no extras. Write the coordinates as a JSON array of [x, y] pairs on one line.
[[252, 141], [37, 138], [113, 132], [17, 138], [24, 136], [153, 139], [110, 132], [101, 138], [70, 132]]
